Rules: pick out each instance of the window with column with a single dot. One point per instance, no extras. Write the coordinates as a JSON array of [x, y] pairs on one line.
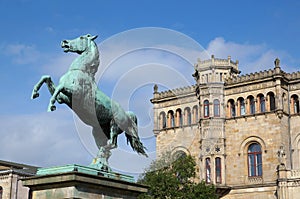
[[295, 103], [162, 120], [171, 119], [271, 97], [242, 108], [188, 116], [179, 120], [195, 114], [262, 103], [231, 106], [251, 104]]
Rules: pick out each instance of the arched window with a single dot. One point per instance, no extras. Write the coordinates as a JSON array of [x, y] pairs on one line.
[[231, 108], [242, 108], [208, 170], [206, 108], [162, 120], [295, 104], [178, 117], [254, 160], [188, 115], [171, 120], [271, 101], [218, 170], [195, 114], [216, 108], [251, 104], [179, 154], [262, 103]]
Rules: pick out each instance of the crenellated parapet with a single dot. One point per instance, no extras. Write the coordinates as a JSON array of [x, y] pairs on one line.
[[251, 76], [173, 93], [271, 73], [293, 76], [215, 70], [216, 62]]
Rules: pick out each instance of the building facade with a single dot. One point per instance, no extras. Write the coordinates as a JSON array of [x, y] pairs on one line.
[[243, 130], [11, 175]]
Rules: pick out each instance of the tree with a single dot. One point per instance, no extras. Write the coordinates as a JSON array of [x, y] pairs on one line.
[[172, 178]]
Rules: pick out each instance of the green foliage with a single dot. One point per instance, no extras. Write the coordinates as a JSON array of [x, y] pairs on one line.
[[168, 178]]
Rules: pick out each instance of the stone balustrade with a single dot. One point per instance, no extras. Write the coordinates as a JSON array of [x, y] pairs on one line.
[[255, 180], [292, 174]]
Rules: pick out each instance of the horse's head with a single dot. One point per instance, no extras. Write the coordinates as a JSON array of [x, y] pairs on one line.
[[78, 45]]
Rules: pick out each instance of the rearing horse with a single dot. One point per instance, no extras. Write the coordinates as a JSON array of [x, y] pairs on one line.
[[78, 90]]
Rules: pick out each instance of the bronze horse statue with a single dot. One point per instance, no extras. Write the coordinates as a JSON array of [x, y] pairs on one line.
[[77, 89]]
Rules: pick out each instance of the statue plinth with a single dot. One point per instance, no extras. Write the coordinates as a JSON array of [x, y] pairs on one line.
[[75, 181]]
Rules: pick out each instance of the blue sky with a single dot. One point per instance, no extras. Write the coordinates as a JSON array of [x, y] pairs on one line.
[[254, 32]]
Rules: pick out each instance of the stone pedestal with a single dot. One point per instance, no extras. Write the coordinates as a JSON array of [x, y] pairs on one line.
[[74, 181]]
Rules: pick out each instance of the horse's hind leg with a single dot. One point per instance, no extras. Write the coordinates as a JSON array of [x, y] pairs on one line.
[[99, 137], [114, 132], [44, 79]]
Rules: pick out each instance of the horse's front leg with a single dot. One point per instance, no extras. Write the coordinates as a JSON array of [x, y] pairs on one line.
[[59, 88], [44, 79]]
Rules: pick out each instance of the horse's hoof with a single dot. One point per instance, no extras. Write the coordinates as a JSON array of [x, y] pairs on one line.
[[52, 108], [35, 95]]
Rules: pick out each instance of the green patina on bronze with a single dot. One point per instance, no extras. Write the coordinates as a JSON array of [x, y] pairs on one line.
[[77, 88]]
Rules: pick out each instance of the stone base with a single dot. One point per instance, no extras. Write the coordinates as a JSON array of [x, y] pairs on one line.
[[74, 181]]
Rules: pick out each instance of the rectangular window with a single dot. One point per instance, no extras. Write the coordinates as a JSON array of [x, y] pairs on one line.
[[242, 107], [262, 104], [252, 106], [216, 108], [208, 170], [206, 108], [218, 170]]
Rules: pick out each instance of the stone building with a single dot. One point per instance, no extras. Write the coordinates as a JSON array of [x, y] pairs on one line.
[[243, 130], [11, 175]]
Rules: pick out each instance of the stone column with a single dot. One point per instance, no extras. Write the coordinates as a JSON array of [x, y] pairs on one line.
[[268, 108], [292, 109]]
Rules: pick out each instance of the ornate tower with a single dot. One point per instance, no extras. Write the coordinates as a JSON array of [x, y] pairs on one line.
[[210, 75]]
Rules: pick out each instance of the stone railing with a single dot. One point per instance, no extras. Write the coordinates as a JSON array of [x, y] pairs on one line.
[[292, 174], [4, 176], [255, 180]]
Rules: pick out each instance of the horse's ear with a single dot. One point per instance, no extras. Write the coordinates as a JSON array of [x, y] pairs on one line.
[[94, 37]]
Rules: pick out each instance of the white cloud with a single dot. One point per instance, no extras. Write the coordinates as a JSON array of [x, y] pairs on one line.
[[58, 64], [252, 57], [21, 53], [44, 139]]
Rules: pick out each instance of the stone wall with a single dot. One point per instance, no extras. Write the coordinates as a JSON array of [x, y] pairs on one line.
[[12, 186], [268, 131]]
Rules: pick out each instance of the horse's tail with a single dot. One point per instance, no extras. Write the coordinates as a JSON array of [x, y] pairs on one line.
[[133, 137]]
